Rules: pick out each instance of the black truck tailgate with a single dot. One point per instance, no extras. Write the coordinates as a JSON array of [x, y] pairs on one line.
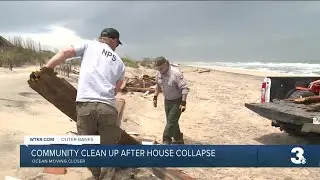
[[283, 111]]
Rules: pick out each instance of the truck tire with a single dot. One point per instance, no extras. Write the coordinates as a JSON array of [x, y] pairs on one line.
[[301, 93], [292, 130]]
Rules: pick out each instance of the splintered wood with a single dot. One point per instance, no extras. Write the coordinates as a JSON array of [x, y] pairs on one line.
[[139, 84], [202, 70], [311, 101], [62, 95], [307, 100]]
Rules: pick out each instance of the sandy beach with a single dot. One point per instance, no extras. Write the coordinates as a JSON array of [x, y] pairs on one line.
[[215, 115]]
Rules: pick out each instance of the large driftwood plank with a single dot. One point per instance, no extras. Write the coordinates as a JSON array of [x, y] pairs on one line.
[[136, 89], [283, 111], [62, 95]]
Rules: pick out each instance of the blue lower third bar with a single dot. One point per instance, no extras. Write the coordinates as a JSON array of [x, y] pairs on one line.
[[169, 156]]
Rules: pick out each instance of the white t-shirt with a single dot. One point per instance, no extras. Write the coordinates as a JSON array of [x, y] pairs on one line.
[[100, 69]]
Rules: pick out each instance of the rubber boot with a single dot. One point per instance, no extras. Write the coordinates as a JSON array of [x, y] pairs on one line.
[[166, 142], [179, 140]]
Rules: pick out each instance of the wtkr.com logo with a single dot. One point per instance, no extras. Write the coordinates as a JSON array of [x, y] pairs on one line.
[[299, 158]]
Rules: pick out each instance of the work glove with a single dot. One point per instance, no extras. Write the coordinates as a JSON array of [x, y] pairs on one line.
[[47, 70], [183, 106], [36, 75], [155, 101]]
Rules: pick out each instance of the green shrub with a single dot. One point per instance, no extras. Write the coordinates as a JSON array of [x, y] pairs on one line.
[[147, 62], [130, 62], [23, 51]]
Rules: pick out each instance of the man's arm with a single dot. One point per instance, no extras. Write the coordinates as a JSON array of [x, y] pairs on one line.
[[183, 87], [120, 81], [157, 88], [118, 85], [184, 97], [74, 51], [156, 93]]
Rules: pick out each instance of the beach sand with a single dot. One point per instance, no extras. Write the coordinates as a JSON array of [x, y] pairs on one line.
[[215, 115]]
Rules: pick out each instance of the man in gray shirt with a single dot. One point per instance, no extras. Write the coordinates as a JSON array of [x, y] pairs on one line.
[[175, 89], [101, 75]]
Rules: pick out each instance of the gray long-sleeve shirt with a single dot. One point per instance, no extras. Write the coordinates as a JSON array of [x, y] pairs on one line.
[[172, 84]]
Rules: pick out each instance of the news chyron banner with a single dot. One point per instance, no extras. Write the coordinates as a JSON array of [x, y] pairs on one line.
[[85, 151], [67, 140]]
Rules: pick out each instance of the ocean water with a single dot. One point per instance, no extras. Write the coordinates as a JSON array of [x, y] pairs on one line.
[[303, 69]]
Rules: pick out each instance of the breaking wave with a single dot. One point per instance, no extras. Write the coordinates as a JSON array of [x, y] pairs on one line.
[[306, 69]]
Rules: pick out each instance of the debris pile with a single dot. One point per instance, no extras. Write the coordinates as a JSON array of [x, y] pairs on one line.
[[305, 100], [312, 101], [174, 65], [139, 84], [202, 70]]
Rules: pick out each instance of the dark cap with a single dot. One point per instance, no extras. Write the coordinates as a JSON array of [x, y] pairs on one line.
[[111, 33], [160, 61]]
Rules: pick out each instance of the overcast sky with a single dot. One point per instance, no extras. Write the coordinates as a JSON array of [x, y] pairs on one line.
[[181, 31]]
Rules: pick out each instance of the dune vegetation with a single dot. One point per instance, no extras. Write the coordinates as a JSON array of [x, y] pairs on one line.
[[17, 51]]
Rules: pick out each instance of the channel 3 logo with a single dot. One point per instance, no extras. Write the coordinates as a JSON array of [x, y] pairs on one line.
[[299, 158]]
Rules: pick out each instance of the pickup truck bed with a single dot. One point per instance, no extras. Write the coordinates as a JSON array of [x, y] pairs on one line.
[[290, 117], [283, 111]]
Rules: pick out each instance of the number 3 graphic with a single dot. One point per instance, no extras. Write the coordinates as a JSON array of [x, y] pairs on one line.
[[299, 159]]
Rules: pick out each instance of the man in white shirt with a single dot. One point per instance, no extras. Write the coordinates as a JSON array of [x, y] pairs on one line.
[[101, 75]]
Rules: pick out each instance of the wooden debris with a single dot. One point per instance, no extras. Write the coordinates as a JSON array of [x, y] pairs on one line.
[[289, 99], [139, 84], [201, 70], [175, 65], [72, 133], [133, 133], [136, 89], [208, 70], [129, 84], [55, 170], [307, 100], [145, 94], [62, 95]]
